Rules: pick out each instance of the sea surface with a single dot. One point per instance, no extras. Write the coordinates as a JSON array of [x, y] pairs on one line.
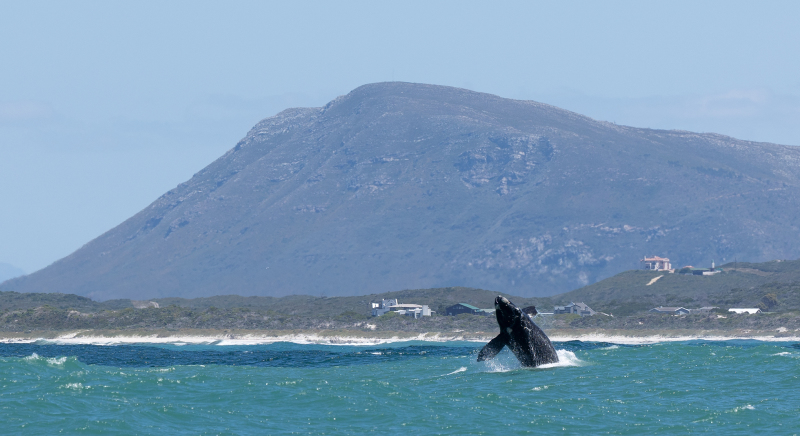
[[729, 387]]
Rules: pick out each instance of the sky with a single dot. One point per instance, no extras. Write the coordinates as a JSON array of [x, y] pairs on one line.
[[105, 106]]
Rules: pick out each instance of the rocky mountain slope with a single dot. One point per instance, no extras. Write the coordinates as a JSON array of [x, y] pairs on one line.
[[399, 186]]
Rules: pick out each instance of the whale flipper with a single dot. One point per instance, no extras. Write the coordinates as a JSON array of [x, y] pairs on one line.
[[493, 347], [530, 310]]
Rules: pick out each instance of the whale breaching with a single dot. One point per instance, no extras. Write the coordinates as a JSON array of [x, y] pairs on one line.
[[518, 331]]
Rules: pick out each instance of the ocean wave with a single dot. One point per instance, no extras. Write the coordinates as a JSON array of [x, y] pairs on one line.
[[786, 353], [588, 339], [255, 339], [56, 361]]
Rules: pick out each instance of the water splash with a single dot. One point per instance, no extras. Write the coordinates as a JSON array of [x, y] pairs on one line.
[[565, 358], [506, 361], [462, 369]]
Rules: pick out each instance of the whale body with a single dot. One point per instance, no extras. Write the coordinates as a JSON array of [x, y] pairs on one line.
[[520, 334]]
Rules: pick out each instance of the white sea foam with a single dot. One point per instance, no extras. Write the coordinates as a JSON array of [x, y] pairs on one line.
[[247, 339], [57, 360], [565, 358], [311, 338], [610, 347], [745, 407], [505, 361], [49, 360], [785, 353], [462, 369]]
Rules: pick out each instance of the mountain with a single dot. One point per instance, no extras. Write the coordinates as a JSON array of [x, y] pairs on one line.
[[399, 186], [8, 271]]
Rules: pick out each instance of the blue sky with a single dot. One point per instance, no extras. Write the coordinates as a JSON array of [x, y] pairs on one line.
[[104, 106]]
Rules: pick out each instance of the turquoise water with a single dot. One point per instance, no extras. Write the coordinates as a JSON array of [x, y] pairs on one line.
[[731, 387]]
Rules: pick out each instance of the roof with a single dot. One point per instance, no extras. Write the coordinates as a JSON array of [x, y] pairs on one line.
[[655, 259], [744, 310], [406, 306], [468, 306], [669, 309]]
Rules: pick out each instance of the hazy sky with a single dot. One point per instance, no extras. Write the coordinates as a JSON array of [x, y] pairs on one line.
[[104, 106]]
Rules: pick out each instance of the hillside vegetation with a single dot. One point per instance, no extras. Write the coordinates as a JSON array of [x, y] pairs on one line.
[[773, 286], [437, 299], [740, 285]]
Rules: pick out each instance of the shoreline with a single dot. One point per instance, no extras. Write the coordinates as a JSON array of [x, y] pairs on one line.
[[371, 338]]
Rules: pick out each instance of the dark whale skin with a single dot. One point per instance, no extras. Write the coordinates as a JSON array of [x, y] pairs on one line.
[[521, 335]]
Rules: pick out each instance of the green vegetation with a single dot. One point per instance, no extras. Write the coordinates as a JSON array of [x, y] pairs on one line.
[[16, 300], [437, 299], [771, 286]]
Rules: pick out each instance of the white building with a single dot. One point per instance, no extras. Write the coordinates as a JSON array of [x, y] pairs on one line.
[[749, 310], [391, 305], [656, 263], [578, 308], [704, 309], [379, 309], [671, 310]]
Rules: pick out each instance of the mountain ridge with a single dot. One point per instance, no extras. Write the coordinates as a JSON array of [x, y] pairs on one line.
[[397, 186]]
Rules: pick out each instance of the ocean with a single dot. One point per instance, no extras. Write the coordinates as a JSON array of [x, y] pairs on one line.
[[723, 387]]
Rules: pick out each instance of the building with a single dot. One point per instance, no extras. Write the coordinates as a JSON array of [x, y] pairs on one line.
[[391, 305], [656, 263], [748, 311], [671, 310], [705, 309], [412, 310], [578, 308], [690, 270], [383, 306], [458, 309]]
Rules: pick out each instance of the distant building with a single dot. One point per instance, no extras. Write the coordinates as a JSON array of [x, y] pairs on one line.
[[705, 309], [577, 308], [656, 263], [391, 305], [458, 309], [383, 306], [671, 310], [749, 311], [690, 270]]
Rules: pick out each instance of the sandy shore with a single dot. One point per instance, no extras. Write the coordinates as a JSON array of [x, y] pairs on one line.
[[364, 338]]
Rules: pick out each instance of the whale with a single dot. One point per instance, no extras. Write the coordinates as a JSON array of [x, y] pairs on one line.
[[520, 334]]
